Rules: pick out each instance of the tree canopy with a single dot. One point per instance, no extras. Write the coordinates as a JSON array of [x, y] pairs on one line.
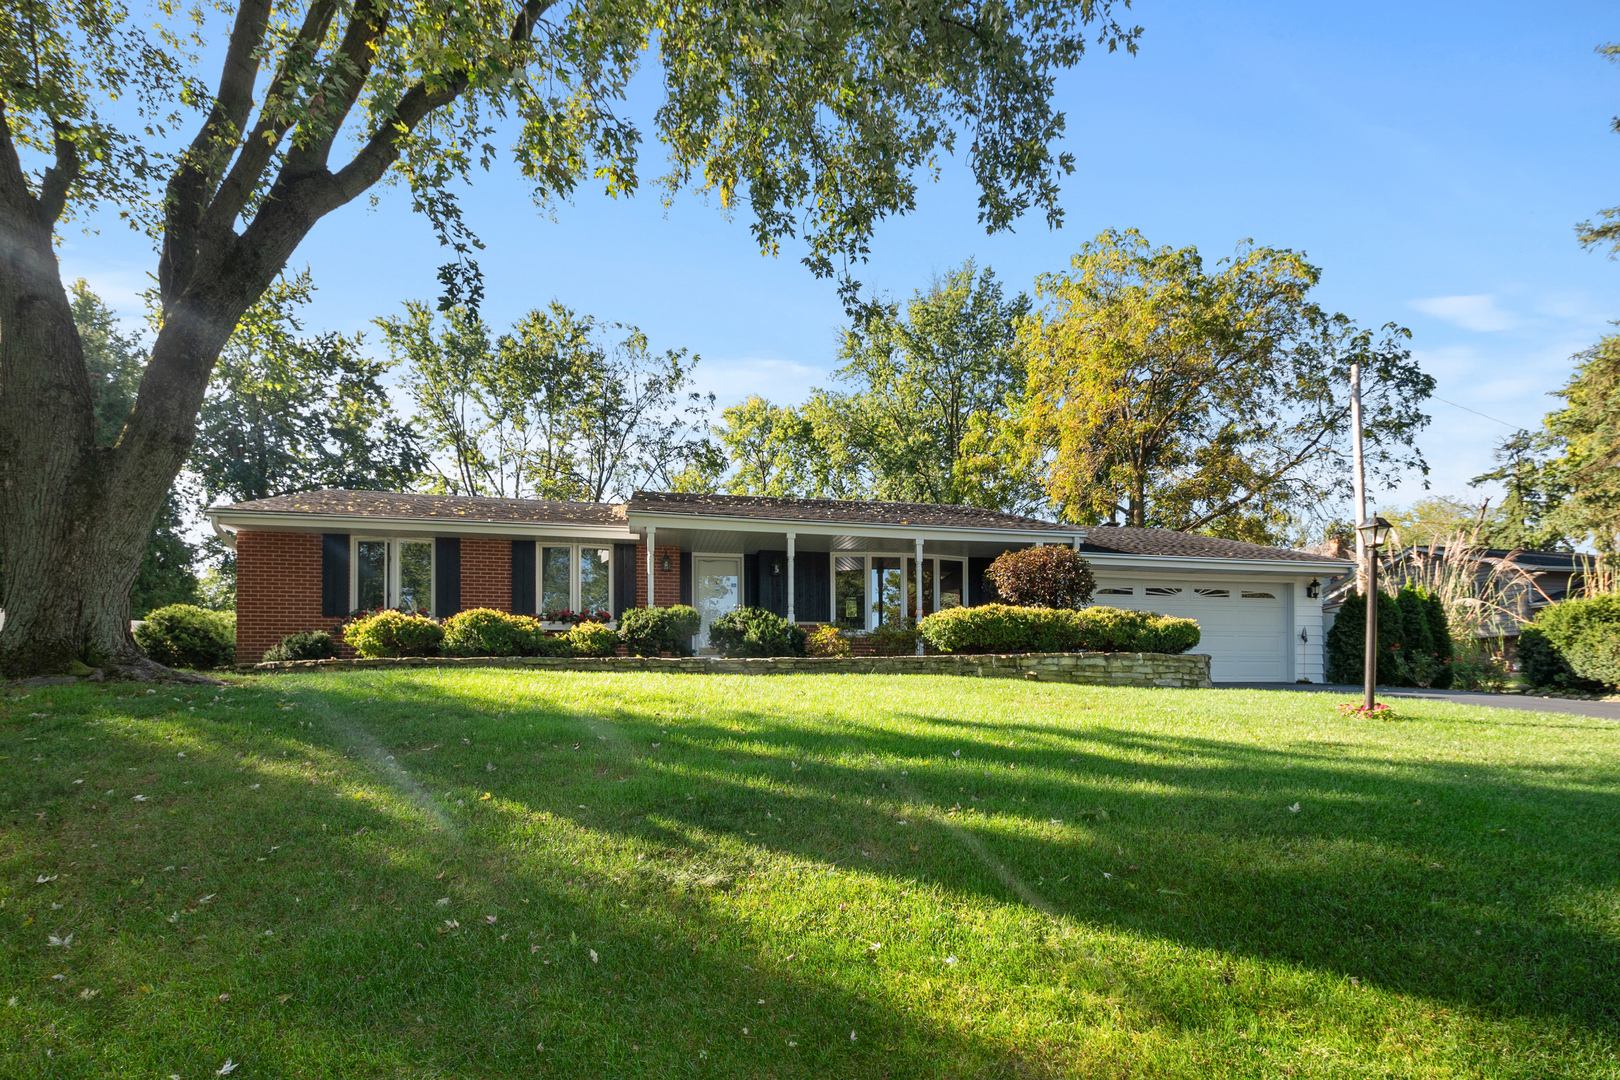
[[1168, 395], [1605, 231]]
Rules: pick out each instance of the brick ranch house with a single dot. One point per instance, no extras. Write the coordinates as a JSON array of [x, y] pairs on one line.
[[305, 561]]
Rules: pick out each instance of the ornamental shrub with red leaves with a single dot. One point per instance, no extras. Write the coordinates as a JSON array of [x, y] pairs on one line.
[[1046, 577]]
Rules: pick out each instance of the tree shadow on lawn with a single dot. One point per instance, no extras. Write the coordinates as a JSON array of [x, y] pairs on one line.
[[1481, 885], [321, 947]]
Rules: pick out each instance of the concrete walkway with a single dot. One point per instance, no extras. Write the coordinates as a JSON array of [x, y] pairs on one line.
[[1602, 710]]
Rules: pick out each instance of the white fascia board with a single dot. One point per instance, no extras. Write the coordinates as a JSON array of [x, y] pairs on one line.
[[392, 526], [721, 523], [1117, 560]]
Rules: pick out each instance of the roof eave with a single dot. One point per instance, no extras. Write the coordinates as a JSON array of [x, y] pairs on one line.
[[1205, 562], [799, 526], [377, 523]]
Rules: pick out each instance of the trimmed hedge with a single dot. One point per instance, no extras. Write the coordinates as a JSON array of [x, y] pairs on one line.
[[591, 639], [183, 635], [1573, 644], [754, 631], [1003, 628], [649, 631], [310, 646], [393, 633]]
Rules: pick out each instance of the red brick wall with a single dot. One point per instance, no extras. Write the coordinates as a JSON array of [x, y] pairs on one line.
[[278, 590], [667, 584], [486, 573]]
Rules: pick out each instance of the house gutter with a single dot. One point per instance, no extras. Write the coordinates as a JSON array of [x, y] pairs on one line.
[[424, 526], [801, 527]]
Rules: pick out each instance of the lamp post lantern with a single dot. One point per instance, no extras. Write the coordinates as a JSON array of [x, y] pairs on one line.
[[1373, 534]]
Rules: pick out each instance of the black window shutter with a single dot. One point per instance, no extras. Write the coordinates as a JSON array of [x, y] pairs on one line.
[[771, 571], [750, 581], [624, 578], [980, 590], [686, 578], [447, 566], [335, 574], [523, 592], [812, 596]]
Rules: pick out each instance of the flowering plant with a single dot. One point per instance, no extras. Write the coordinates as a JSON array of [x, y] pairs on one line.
[[563, 615], [1355, 708]]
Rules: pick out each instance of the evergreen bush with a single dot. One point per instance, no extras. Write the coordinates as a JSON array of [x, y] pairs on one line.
[[307, 646], [1346, 640], [897, 639], [754, 631], [592, 639], [183, 635], [1573, 645], [488, 632], [652, 631], [826, 641], [1003, 628]]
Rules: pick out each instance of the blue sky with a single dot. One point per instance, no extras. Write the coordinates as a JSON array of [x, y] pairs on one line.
[[1432, 158]]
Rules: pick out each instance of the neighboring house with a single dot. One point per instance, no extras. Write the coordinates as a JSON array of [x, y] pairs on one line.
[[1515, 584], [304, 562]]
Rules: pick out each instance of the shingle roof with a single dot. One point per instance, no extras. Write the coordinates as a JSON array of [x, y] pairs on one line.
[[392, 504], [836, 511], [1128, 541]]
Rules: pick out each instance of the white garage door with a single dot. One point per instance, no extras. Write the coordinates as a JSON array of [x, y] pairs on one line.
[[1243, 625]]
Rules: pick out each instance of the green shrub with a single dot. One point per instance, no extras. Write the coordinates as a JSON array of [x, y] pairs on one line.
[[754, 631], [182, 635], [592, 639], [1573, 645], [487, 632], [393, 633], [899, 639], [826, 641], [1046, 577], [1002, 628], [651, 631], [311, 646], [1440, 634], [1347, 642]]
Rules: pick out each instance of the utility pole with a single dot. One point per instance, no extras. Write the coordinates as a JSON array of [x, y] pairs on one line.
[[1358, 478]]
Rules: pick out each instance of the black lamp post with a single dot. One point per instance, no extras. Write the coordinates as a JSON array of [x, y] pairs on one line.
[[1373, 535]]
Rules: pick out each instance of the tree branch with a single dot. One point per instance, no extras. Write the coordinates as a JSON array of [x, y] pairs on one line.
[[59, 178], [340, 87], [15, 194]]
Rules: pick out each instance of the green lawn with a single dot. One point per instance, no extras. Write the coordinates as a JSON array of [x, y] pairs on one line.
[[501, 873]]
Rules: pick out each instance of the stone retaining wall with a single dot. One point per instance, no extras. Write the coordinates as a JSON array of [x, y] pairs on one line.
[[1090, 669]]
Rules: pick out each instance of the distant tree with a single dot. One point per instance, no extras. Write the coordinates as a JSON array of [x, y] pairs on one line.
[[1606, 231], [774, 450], [289, 412], [1165, 394], [929, 379], [1533, 491], [1436, 519], [562, 407]]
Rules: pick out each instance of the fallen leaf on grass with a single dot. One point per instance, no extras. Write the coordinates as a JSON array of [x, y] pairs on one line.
[[139, 798], [42, 879], [227, 1068], [1294, 809], [593, 955], [60, 942]]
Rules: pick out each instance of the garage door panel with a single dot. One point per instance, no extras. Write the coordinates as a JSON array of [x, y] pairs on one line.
[[1241, 624]]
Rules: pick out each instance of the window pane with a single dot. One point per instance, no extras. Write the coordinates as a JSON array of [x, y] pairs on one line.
[[554, 579], [371, 574], [950, 584], [849, 591], [416, 575], [593, 579], [888, 591]]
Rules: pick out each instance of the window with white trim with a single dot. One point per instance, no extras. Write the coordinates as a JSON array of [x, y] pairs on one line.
[[391, 573], [876, 590], [574, 578]]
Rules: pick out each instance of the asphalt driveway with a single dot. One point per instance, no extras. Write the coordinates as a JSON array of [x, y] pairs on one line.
[[1603, 710]]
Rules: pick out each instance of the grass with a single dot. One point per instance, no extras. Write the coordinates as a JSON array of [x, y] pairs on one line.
[[482, 873]]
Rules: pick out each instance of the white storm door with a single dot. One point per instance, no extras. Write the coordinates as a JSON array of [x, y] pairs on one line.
[[716, 589]]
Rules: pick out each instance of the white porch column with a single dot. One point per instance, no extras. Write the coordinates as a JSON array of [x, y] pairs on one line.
[[791, 615], [921, 600], [652, 563]]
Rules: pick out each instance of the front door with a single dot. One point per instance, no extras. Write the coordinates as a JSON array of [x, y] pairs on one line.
[[716, 589]]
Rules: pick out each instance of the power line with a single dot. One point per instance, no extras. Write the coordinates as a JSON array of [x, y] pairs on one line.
[[1476, 412]]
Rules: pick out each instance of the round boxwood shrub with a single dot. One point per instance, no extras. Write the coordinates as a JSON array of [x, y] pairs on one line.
[[1044, 577], [487, 632], [754, 631], [826, 641], [651, 631], [183, 635], [309, 646], [393, 633], [592, 639]]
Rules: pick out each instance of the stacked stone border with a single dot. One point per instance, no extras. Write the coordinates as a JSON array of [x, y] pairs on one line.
[[1187, 671]]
